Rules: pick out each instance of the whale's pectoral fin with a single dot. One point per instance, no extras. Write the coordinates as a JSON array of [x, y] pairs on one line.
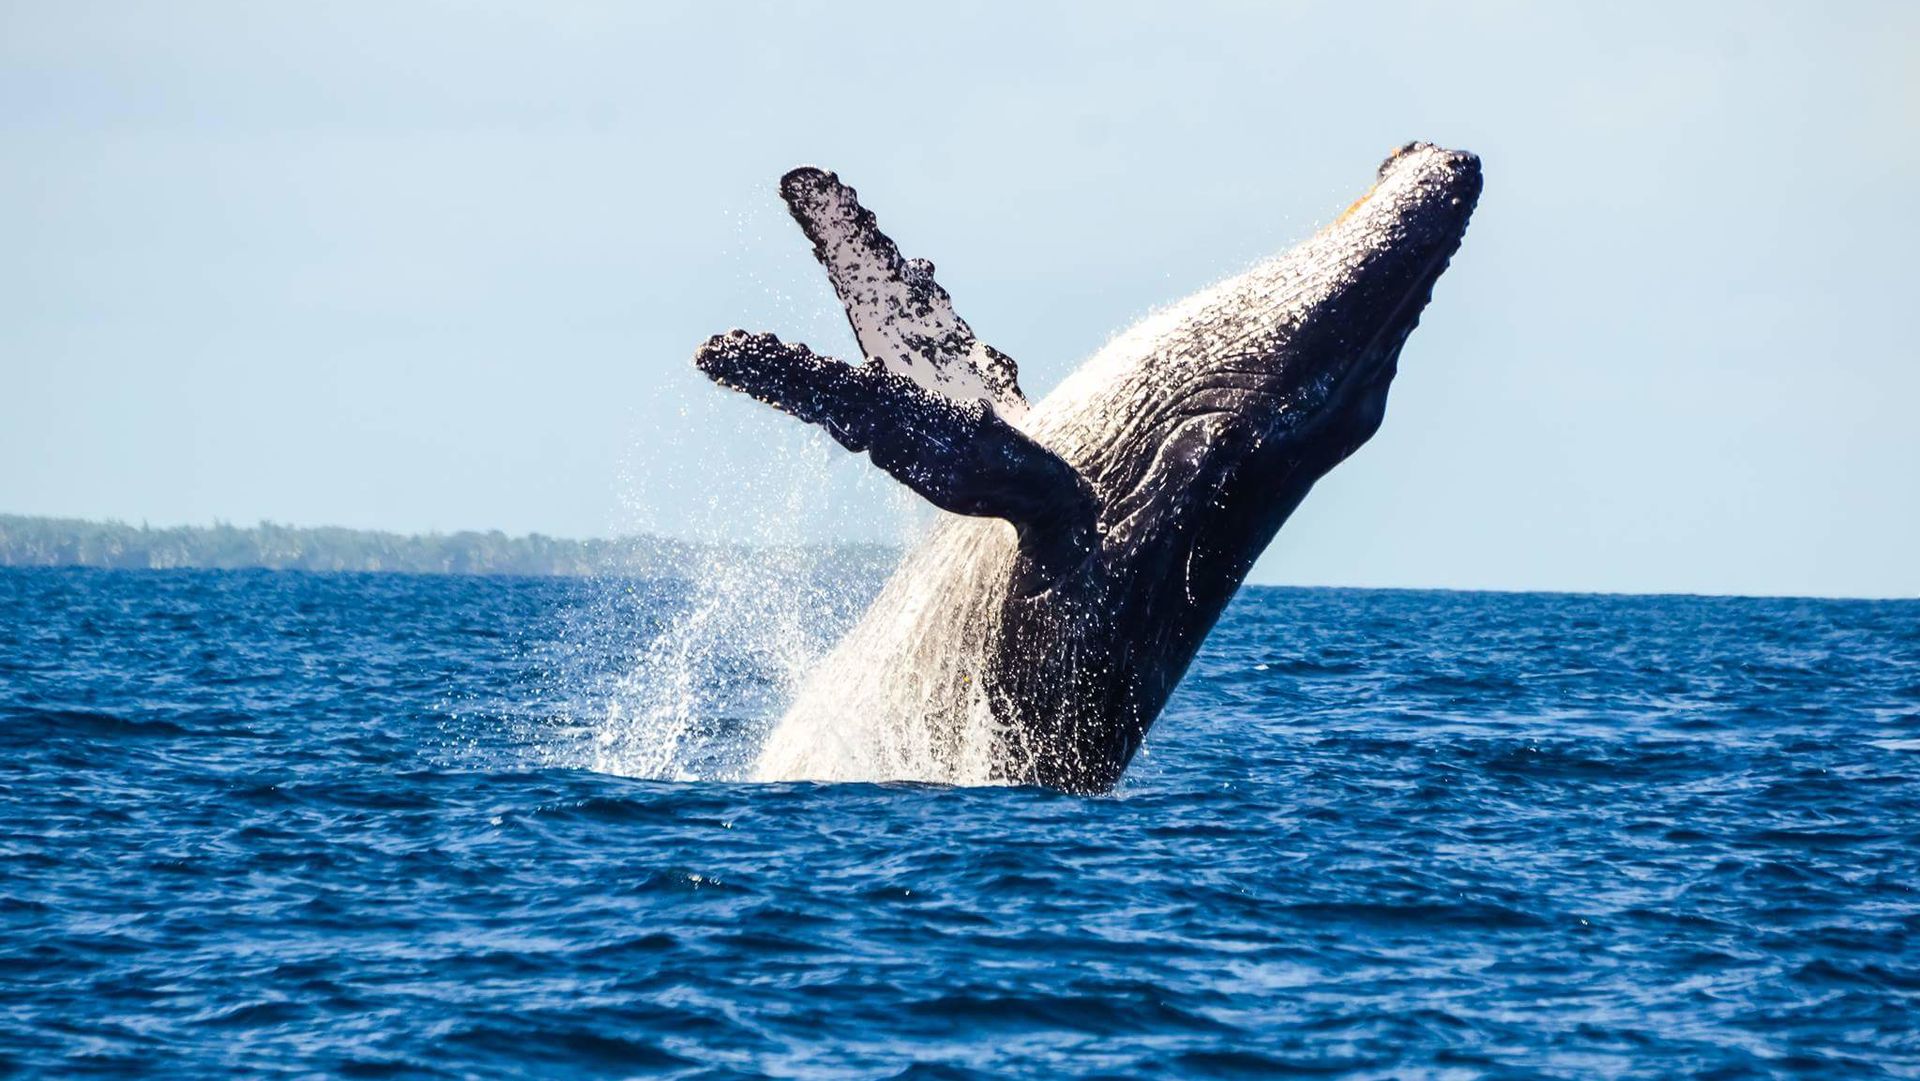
[[902, 318], [960, 455]]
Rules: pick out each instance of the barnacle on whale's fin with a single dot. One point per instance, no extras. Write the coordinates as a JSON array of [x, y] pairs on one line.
[[902, 317], [959, 454]]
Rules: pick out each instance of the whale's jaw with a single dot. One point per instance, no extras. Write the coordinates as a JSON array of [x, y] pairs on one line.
[[1139, 493]]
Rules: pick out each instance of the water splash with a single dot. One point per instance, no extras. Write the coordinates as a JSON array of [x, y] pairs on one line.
[[697, 695], [899, 698], [677, 669]]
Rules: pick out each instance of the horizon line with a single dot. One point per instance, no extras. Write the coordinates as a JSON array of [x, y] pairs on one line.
[[847, 543]]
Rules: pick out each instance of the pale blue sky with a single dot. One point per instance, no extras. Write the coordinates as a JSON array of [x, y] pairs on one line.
[[432, 266]]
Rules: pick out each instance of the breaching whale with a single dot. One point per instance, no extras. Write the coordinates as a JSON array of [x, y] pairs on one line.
[[1034, 635]]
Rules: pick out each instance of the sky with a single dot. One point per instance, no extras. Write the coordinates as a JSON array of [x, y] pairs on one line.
[[442, 266]]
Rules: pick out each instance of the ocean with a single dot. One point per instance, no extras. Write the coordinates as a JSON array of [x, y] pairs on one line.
[[281, 823]]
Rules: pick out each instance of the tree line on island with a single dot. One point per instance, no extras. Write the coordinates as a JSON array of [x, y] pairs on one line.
[[73, 542]]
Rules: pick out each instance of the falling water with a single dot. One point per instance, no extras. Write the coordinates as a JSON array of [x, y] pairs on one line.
[[900, 698], [692, 671], [731, 671]]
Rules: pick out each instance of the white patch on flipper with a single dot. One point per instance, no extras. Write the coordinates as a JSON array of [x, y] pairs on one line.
[[901, 317], [986, 363]]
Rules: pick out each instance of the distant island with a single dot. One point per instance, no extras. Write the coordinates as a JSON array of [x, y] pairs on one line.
[[73, 542]]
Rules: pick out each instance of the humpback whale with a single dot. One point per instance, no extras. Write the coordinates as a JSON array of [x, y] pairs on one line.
[[1094, 537]]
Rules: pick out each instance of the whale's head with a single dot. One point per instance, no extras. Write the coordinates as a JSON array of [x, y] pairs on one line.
[[1204, 426]]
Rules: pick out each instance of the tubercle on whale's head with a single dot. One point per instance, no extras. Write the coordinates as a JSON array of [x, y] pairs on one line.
[[1357, 290]]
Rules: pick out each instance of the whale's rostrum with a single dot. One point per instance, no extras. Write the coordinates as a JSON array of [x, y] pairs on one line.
[[1095, 536]]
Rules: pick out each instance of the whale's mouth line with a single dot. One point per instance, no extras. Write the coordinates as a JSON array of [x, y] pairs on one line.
[[1375, 358], [1398, 322]]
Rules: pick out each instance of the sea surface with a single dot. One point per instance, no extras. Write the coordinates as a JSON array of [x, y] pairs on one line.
[[257, 823]]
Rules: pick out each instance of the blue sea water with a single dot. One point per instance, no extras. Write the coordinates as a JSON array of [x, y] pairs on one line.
[[277, 823]]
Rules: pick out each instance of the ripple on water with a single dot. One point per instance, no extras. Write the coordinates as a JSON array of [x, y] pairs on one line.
[[318, 824]]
